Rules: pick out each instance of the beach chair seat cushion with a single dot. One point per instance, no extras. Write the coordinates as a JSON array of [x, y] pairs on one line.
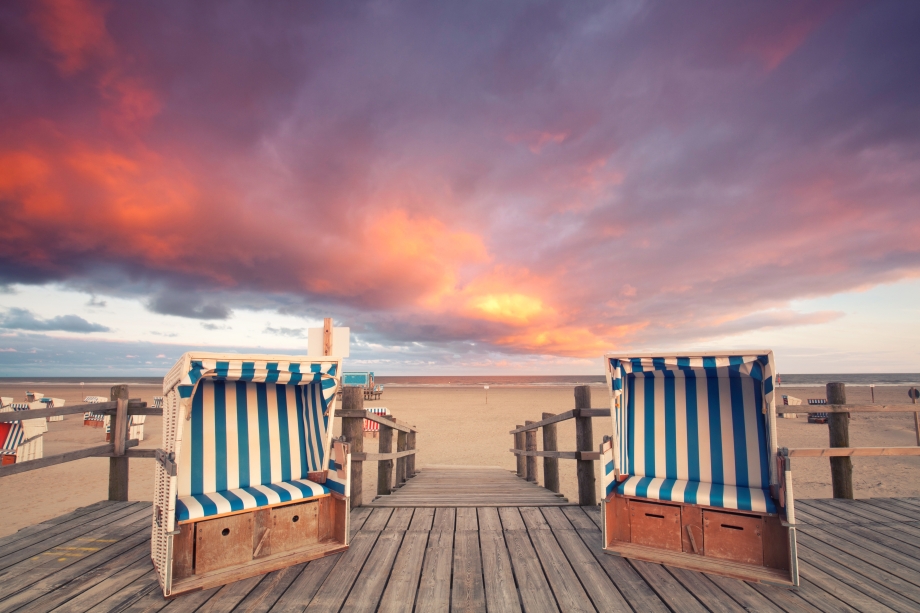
[[198, 506], [695, 492]]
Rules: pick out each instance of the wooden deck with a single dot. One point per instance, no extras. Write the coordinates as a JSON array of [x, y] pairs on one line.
[[855, 556], [468, 486]]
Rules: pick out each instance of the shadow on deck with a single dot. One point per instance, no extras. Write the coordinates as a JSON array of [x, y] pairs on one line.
[[859, 555]]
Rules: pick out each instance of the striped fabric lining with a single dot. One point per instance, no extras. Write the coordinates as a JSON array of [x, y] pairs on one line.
[[282, 373], [693, 492], [608, 479], [243, 434], [198, 506], [698, 420], [11, 435]]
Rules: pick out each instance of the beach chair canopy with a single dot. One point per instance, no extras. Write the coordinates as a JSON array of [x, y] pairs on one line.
[[695, 429], [15, 433], [248, 430]]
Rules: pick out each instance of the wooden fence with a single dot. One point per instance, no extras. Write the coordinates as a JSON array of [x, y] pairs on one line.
[[525, 447]]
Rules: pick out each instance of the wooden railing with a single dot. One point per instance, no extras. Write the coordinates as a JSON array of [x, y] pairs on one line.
[[118, 451], [353, 416], [838, 422], [525, 447]]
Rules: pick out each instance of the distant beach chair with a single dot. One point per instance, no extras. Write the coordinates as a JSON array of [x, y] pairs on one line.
[[95, 420], [48, 403], [249, 479], [692, 476], [817, 418], [21, 441], [790, 401], [372, 426]]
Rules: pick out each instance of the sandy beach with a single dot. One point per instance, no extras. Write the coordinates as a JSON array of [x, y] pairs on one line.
[[456, 426]]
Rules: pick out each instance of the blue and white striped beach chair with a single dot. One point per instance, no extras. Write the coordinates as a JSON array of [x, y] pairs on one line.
[[249, 479], [48, 403], [691, 475], [94, 420]]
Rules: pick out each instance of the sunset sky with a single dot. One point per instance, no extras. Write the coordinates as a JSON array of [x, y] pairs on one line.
[[471, 187]]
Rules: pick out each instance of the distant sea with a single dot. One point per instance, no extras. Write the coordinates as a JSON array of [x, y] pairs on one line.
[[818, 380]]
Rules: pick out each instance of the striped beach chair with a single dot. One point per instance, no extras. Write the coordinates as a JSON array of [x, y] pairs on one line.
[[373, 426], [249, 479], [48, 403], [94, 420], [790, 401], [21, 441], [817, 418], [692, 476]]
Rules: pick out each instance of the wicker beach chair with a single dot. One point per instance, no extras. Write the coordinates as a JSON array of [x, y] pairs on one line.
[[817, 418], [250, 479], [691, 475], [372, 426], [48, 403], [21, 441], [94, 420]]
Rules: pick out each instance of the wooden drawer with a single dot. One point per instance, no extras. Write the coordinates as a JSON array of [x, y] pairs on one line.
[[223, 542], [655, 525], [295, 526], [731, 536]]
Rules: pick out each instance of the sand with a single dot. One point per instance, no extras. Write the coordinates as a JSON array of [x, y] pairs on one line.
[[456, 426]]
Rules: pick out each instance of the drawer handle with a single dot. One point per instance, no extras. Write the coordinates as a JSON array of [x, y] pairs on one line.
[[653, 515], [295, 519], [225, 532], [730, 527]]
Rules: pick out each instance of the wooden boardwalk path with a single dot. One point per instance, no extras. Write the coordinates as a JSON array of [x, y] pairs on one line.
[[859, 555], [468, 486]]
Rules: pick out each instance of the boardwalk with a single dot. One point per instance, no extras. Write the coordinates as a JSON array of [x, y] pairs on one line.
[[855, 556]]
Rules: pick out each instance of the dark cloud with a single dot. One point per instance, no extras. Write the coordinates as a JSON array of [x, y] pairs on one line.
[[293, 332], [23, 319], [465, 172], [183, 304]]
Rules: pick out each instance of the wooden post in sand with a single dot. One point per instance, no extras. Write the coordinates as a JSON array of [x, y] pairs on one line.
[[530, 444], [584, 441], [519, 444], [550, 465], [402, 442], [353, 431], [385, 467], [410, 459], [838, 425], [914, 394], [118, 463]]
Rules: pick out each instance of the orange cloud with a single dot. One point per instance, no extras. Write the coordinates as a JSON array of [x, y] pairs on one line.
[[75, 30]]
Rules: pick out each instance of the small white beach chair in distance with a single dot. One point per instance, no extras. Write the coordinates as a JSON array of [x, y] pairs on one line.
[[249, 479], [21, 441], [48, 403], [94, 420], [692, 476]]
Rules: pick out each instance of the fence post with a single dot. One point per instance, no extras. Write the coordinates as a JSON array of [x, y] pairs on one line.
[[550, 465], [353, 430], [838, 425], [118, 465], [401, 444], [530, 444], [410, 460], [385, 467], [519, 444], [584, 441]]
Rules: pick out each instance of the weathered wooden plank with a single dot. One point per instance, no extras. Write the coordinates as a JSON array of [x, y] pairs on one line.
[[749, 598], [850, 513], [332, 594], [498, 577], [533, 518], [370, 583], [533, 586], [511, 519], [837, 452], [579, 519], [358, 517], [820, 514], [38, 528], [820, 599], [900, 506], [468, 593], [830, 545], [421, 520], [400, 519], [667, 587], [57, 534], [877, 545], [903, 532], [850, 587], [264, 596], [707, 592], [603, 593], [399, 595], [378, 520], [153, 601], [227, 597], [434, 587], [489, 519], [894, 542], [791, 600], [132, 563], [466, 519], [305, 585], [444, 520], [128, 594]]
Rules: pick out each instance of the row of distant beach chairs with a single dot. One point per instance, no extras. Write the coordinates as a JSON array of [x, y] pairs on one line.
[[22, 440], [135, 425], [813, 418]]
